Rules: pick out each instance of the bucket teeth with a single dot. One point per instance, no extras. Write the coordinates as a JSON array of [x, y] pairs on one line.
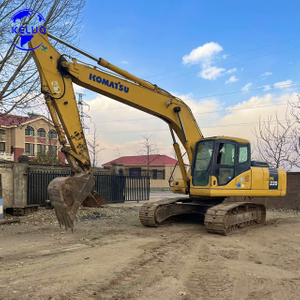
[[66, 215]]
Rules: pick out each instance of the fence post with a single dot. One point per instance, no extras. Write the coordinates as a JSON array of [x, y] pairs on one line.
[[1, 201], [20, 184], [118, 168]]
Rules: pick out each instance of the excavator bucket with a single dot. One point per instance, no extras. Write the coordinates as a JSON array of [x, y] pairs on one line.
[[94, 200], [68, 193]]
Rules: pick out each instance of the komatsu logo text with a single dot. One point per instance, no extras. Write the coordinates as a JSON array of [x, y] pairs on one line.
[[111, 84]]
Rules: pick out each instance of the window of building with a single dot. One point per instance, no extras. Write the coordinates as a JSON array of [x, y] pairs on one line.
[[52, 134], [2, 147], [157, 174], [2, 131], [52, 150], [161, 174], [29, 149], [41, 149], [135, 172], [41, 132], [154, 174], [29, 131]]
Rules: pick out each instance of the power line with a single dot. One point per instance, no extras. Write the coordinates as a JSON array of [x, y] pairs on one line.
[[200, 113], [246, 59], [236, 54], [250, 90], [221, 94], [211, 126]]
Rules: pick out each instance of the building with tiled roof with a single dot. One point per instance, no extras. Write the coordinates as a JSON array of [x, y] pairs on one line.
[[27, 135], [160, 168], [154, 160]]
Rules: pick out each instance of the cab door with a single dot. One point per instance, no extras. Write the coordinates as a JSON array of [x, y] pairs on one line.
[[225, 161], [231, 159]]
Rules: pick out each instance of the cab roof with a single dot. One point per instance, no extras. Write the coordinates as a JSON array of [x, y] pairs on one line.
[[236, 139]]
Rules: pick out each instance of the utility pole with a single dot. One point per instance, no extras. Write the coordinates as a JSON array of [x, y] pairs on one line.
[[82, 114]]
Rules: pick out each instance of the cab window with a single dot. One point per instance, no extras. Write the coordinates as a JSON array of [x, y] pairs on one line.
[[244, 159], [243, 154], [225, 163], [202, 164]]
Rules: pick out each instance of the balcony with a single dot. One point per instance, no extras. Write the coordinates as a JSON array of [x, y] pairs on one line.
[[6, 156]]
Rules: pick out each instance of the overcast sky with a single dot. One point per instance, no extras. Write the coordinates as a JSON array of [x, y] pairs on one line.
[[226, 59]]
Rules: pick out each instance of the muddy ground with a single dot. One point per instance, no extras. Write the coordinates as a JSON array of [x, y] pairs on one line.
[[111, 256]]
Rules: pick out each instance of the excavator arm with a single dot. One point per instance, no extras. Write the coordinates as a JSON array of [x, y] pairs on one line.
[[57, 73]]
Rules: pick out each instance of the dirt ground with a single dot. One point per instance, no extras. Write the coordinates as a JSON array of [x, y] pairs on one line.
[[111, 256]]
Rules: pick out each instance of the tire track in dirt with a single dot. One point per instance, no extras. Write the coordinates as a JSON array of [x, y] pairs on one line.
[[241, 285], [146, 270], [208, 278]]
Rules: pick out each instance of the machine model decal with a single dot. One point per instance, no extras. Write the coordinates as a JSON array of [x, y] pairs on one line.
[[56, 87], [111, 84], [273, 179]]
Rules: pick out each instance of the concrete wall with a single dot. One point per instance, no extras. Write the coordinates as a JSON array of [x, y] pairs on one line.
[[20, 184], [14, 181], [6, 171]]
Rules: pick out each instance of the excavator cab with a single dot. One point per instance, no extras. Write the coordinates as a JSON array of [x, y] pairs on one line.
[[222, 158], [222, 168]]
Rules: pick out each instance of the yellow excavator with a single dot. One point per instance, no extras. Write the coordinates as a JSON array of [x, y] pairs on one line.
[[221, 167]]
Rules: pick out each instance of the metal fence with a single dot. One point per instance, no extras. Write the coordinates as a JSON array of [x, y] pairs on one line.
[[113, 188]]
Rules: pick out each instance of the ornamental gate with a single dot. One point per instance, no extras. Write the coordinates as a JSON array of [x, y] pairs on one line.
[[113, 188]]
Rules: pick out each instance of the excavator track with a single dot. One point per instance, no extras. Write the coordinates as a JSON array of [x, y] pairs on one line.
[[231, 217], [153, 213]]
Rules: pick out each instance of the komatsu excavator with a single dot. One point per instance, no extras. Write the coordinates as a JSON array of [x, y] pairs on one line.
[[221, 167]]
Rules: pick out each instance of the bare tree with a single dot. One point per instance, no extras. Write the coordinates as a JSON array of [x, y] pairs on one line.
[[94, 147], [277, 141], [295, 112], [19, 80], [52, 145], [148, 148], [182, 151]]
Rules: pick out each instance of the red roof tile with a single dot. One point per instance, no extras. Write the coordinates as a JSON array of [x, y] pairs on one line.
[[9, 120], [155, 159]]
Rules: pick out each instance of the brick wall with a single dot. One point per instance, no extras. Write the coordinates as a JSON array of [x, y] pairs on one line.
[[17, 153], [62, 157], [291, 200]]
